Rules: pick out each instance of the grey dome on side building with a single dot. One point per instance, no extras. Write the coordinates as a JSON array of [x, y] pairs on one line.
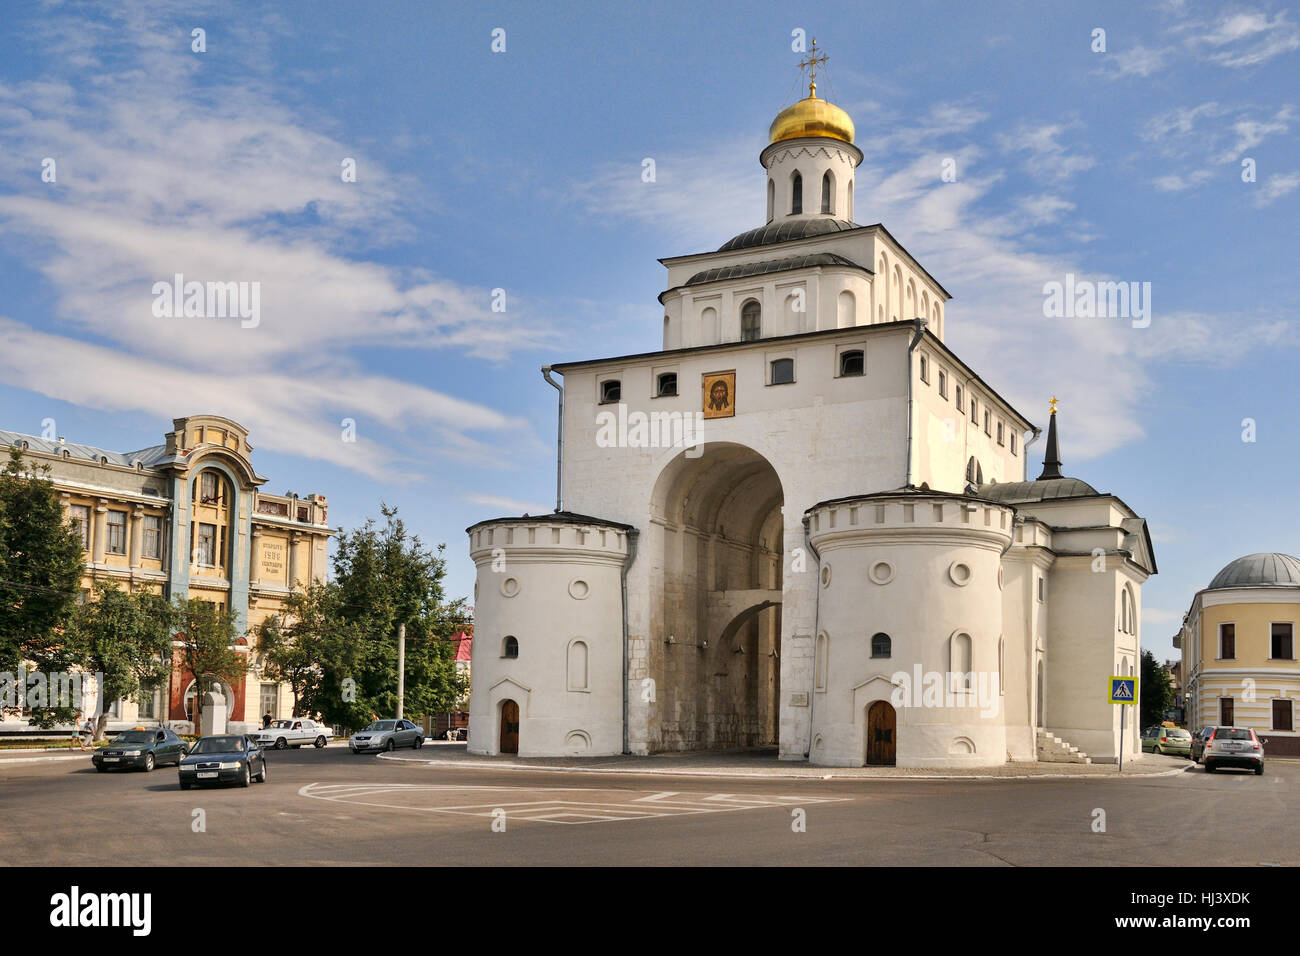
[[1263, 570]]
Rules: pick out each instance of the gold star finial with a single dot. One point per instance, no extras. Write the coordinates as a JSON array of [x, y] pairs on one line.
[[1052, 403], [810, 63]]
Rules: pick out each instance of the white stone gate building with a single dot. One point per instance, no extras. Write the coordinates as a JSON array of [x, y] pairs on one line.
[[804, 524]]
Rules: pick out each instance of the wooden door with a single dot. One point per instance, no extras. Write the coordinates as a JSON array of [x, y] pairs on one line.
[[509, 727], [881, 727]]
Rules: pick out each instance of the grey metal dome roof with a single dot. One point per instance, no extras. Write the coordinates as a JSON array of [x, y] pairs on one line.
[[1262, 570], [1044, 489], [783, 230], [773, 265]]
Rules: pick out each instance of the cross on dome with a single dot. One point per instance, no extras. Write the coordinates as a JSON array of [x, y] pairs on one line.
[[810, 63]]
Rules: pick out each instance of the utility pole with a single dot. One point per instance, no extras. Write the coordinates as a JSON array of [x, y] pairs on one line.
[[401, 668]]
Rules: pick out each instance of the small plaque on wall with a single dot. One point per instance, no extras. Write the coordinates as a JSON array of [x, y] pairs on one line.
[[798, 700]]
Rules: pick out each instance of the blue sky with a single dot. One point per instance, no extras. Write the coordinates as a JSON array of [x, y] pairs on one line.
[[521, 170]]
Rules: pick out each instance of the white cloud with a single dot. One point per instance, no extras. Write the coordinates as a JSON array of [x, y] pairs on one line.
[[292, 413], [1045, 156], [1275, 187], [1175, 182], [1245, 39], [508, 505], [1136, 60]]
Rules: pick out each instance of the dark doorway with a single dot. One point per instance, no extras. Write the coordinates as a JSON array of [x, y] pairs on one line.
[[882, 725], [509, 727]]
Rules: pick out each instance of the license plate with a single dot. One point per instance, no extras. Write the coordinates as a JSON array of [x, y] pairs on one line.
[[111, 759], [207, 774]]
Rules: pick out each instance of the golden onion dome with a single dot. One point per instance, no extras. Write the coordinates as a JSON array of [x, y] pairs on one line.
[[811, 117]]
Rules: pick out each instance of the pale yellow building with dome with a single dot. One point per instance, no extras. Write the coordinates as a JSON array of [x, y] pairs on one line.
[[1239, 651]]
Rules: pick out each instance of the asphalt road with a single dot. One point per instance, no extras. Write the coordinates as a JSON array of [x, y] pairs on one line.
[[329, 806]]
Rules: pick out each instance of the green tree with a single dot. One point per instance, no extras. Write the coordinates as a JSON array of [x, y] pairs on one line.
[[1157, 691], [40, 564], [304, 643], [207, 635], [124, 636], [384, 577]]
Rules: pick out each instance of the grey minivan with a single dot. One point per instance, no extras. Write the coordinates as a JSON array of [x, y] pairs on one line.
[[387, 735]]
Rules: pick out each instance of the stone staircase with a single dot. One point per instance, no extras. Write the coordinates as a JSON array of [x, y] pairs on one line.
[[1052, 749]]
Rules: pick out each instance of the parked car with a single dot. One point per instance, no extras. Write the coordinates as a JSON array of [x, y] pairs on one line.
[[1167, 740], [1233, 747], [293, 732], [387, 735], [140, 748], [1198, 742], [228, 758]]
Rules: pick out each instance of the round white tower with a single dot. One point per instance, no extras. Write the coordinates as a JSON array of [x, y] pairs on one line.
[[547, 658], [908, 652]]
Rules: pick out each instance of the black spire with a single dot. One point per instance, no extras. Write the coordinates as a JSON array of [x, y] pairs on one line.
[[1052, 459]]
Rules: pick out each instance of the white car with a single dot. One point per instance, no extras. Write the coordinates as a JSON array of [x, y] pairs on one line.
[[293, 732]]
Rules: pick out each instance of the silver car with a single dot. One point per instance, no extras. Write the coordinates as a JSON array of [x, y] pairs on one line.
[[1233, 747], [387, 735]]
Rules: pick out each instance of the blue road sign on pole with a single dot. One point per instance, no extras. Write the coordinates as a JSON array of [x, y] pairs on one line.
[[1123, 690]]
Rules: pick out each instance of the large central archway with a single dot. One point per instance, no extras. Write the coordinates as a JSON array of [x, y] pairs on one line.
[[716, 602]]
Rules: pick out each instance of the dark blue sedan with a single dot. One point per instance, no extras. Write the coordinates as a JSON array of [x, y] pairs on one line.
[[228, 758]]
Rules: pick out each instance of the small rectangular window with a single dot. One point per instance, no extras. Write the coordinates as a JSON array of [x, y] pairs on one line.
[[925, 369], [210, 492], [207, 548], [611, 390], [79, 515], [851, 363], [1042, 589], [116, 527], [1282, 649], [151, 542], [960, 405], [986, 422], [1227, 641], [782, 371], [943, 384], [1001, 441], [1013, 443], [667, 384], [1283, 715], [974, 415]]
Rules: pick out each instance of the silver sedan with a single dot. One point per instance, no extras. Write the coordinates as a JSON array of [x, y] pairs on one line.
[[387, 735]]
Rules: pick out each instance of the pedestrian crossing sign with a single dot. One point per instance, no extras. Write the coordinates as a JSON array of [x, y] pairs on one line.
[[1123, 690]]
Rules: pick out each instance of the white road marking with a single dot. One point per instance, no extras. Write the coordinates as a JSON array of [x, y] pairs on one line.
[[578, 805]]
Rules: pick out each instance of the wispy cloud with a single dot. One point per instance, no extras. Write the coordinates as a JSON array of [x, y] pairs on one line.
[[1275, 187], [1246, 38], [508, 505], [162, 170], [1045, 156]]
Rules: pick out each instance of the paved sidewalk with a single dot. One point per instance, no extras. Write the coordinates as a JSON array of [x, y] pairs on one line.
[[765, 764]]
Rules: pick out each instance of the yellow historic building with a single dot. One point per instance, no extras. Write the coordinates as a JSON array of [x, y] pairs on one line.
[[1239, 651], [188, 518]]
